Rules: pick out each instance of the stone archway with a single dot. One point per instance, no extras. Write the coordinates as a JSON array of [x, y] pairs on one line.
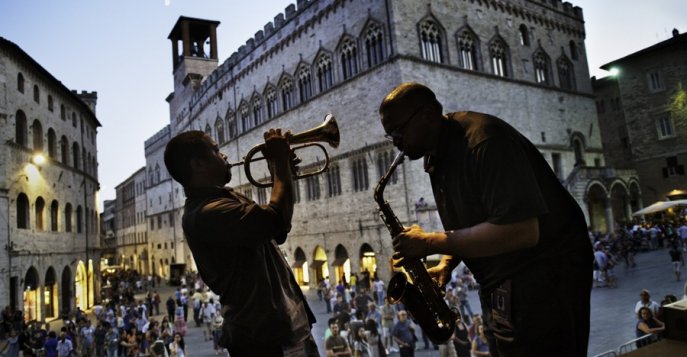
[[32, 296], [342, 265], [80, 286], [319, 264], [368, 259], [50, 293], [300, 267], [596, 199]]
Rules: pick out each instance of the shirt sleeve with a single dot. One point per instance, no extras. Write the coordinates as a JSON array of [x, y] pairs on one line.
[[241, 224], [508, 184]]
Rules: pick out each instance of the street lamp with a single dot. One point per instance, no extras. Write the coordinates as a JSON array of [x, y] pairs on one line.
[[38, 159]]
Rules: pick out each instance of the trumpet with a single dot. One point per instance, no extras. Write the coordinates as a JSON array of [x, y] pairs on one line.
[[327, 132]]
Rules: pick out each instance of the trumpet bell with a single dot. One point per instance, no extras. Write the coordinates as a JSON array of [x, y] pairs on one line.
[[327, 132]]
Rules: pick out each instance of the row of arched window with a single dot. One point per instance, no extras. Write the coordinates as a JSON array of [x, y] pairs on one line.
[[80, 159], [51, 105], [432, 43], [309, 79], [53, 218]]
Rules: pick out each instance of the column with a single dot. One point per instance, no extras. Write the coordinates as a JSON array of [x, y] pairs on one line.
[[186, 38], [609, 215]]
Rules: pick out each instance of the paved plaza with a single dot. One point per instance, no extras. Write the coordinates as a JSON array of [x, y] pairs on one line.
[[612, 320]]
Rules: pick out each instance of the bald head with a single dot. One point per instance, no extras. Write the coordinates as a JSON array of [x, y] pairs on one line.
[[405, 99]]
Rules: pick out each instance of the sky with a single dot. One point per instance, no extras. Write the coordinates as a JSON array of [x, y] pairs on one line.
[[120, 49]]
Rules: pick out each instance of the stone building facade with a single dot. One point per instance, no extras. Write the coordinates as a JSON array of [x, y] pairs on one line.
[[49, 226], [132, 235], [643, 116], [163, 213], [521, 60]]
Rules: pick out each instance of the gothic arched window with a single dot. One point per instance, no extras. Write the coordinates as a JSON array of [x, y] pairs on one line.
[[325, 78], [498, 53], [542, 67], [219, 129], [230, 120], [349, 58], [245, 117], [304, 83], [286, 89], [256, 105], [272, 105], [374, 45], [468, 45], [566, 73], [430, 41]]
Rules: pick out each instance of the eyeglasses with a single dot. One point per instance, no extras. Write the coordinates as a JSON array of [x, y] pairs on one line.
[[396, 133]]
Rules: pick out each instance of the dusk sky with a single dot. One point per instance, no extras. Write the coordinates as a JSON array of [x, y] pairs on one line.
[[120, 49]]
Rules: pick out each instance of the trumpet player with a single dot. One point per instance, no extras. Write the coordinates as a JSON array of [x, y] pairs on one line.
[[234, 243], [506, 215]]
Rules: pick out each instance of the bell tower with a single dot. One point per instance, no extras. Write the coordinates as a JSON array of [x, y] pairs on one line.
[[194, 50], [194, 57]]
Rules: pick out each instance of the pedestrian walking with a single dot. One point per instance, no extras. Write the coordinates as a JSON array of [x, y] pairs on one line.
[[676, 260]]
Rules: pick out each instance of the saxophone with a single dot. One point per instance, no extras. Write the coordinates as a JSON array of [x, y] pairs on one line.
[[421, 296]]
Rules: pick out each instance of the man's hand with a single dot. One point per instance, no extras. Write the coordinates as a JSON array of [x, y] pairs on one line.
[[412, 243], [441, 274], [276, 146]]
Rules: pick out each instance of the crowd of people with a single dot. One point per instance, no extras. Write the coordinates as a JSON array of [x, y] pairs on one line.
[[612, 250], [364, 323], [120, 326]]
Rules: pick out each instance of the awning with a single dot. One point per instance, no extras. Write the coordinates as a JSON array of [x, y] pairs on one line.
[[660, 206]]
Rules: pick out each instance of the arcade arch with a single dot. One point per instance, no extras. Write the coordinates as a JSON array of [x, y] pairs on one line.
[[32, 296], [319, 264], [300, 267], [50, 293], [341, 264]]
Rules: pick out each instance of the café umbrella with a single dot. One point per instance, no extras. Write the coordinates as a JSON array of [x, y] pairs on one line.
[[660, 206]]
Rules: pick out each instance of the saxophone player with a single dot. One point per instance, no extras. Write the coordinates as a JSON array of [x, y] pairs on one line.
[[506, 215]]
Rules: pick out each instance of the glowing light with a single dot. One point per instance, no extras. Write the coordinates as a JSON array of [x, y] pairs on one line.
[[614, 71], [38, 159]]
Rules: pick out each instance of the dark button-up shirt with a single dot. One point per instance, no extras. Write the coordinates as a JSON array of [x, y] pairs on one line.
[[234, 243]]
